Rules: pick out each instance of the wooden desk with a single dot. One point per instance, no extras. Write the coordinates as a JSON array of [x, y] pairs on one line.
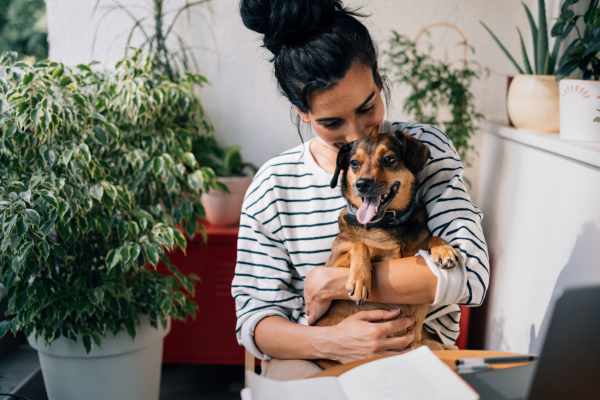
[[447, 356]]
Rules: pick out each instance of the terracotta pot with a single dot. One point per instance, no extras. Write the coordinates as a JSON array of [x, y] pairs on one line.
[[223, 208], [533, 103], [579, 107]]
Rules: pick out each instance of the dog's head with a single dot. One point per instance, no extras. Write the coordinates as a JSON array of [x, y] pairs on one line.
[[379, 173]]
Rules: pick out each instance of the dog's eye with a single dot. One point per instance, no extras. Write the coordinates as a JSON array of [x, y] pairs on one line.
[[354, 164], [389, 161]]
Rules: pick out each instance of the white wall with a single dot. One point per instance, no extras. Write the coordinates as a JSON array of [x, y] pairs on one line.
[[542, 224], [243, 100]]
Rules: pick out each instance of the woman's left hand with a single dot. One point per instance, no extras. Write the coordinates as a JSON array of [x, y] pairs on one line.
[[322, 285]]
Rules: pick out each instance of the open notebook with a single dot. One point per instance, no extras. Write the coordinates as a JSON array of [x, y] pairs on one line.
[[417, 374]]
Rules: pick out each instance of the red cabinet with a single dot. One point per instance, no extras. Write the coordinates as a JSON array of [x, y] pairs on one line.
[[210, 338]]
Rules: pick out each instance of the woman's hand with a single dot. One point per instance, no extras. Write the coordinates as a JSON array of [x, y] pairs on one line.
[[321, 286], [368, 333]]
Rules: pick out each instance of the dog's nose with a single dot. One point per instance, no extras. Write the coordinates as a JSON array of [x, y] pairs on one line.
[[364, 185]]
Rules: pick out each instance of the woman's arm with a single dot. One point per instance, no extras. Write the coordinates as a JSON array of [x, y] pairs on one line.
[[361, 335], [399, 281]]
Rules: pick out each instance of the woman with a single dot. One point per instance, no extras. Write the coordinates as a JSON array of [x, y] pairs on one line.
[[326, 64]]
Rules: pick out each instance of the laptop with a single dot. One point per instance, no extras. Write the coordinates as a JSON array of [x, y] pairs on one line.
[[568, 366]]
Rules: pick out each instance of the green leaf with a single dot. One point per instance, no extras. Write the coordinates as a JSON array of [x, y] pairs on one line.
[[5, 327], [524, 52], [534, 34], [97, 191], [33, 216], [503, 48], [113, 258], [190, 160], [542, 48], [151, 254], [195, 180]]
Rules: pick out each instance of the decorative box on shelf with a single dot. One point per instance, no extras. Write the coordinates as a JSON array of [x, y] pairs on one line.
[[210, 338]]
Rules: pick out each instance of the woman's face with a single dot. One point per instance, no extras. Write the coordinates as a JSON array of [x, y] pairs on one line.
[[348, 110]]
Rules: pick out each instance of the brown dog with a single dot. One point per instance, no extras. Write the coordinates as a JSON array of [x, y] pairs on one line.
[[383, 221]]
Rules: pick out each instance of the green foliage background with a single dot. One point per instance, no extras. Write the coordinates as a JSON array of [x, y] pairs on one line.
[[23, 27]]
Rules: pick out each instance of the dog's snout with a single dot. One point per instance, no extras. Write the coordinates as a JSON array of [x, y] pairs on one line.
[[365, 185]]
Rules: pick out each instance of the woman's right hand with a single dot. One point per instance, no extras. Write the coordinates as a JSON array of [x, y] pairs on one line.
[[367, 333]]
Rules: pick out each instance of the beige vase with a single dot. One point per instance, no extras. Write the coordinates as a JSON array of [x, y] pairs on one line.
[[533, 103], [223, 209]]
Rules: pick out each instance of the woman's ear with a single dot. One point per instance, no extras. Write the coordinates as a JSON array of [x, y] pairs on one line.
[[303, 116], [342, 163]]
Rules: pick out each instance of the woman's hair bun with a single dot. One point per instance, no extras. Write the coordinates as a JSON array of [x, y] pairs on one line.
[[288, 22]]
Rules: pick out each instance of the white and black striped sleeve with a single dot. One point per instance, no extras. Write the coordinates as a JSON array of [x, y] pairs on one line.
[[263, 284], [452, 215]]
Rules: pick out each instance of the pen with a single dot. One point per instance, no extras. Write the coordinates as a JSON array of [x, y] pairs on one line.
[[496, 360]]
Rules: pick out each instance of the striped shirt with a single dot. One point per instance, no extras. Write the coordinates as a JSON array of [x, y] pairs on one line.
[[289, 221]]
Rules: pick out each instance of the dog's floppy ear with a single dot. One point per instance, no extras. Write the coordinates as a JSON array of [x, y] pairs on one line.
[[415, 154], [342, 163]]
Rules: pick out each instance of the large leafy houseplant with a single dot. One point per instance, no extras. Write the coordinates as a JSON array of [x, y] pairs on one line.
[[582, 55], [435, 84], [96, 175]]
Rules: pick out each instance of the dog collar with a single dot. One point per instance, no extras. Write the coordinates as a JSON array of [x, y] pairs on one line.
[[388, 219]]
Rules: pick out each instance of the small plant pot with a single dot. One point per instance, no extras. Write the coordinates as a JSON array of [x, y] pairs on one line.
[[121, 368], [579, 107], [532, 103], [222, 208]]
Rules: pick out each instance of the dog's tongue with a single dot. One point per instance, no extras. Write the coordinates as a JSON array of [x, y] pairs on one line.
[[367, 210]]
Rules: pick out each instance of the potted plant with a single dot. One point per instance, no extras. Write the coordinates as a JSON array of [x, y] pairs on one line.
[[580, 95], [96, 173], [222, 205], [533, 101], [439, 92]]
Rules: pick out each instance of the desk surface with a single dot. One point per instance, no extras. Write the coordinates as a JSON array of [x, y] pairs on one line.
[[447, 356]]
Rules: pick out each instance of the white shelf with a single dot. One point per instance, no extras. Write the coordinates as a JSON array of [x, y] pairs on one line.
[[584, 152]]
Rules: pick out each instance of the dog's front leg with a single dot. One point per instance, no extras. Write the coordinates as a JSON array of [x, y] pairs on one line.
[[442, 253], [359, 282]]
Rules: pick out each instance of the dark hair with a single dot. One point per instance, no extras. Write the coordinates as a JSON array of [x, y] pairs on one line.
[[314, 43]]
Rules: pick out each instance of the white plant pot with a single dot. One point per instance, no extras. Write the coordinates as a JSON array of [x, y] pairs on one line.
[[532, 103], [223, 208], [122, 368], [579, 106]]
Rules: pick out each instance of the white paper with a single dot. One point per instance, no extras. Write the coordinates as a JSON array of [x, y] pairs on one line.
[[327, 388], [418, 374]]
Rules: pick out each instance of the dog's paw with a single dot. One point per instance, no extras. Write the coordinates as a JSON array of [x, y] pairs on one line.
[[358, 286], [446, 256]]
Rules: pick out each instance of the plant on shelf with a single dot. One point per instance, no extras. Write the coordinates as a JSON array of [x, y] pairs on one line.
[[223, 206], [532, 100], [544, 60], [225, 161], [579, 69], [96, 174], [435, 84], [582, 55]]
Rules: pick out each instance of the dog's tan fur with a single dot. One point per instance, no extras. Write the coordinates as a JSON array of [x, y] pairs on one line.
[[358, 247]]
